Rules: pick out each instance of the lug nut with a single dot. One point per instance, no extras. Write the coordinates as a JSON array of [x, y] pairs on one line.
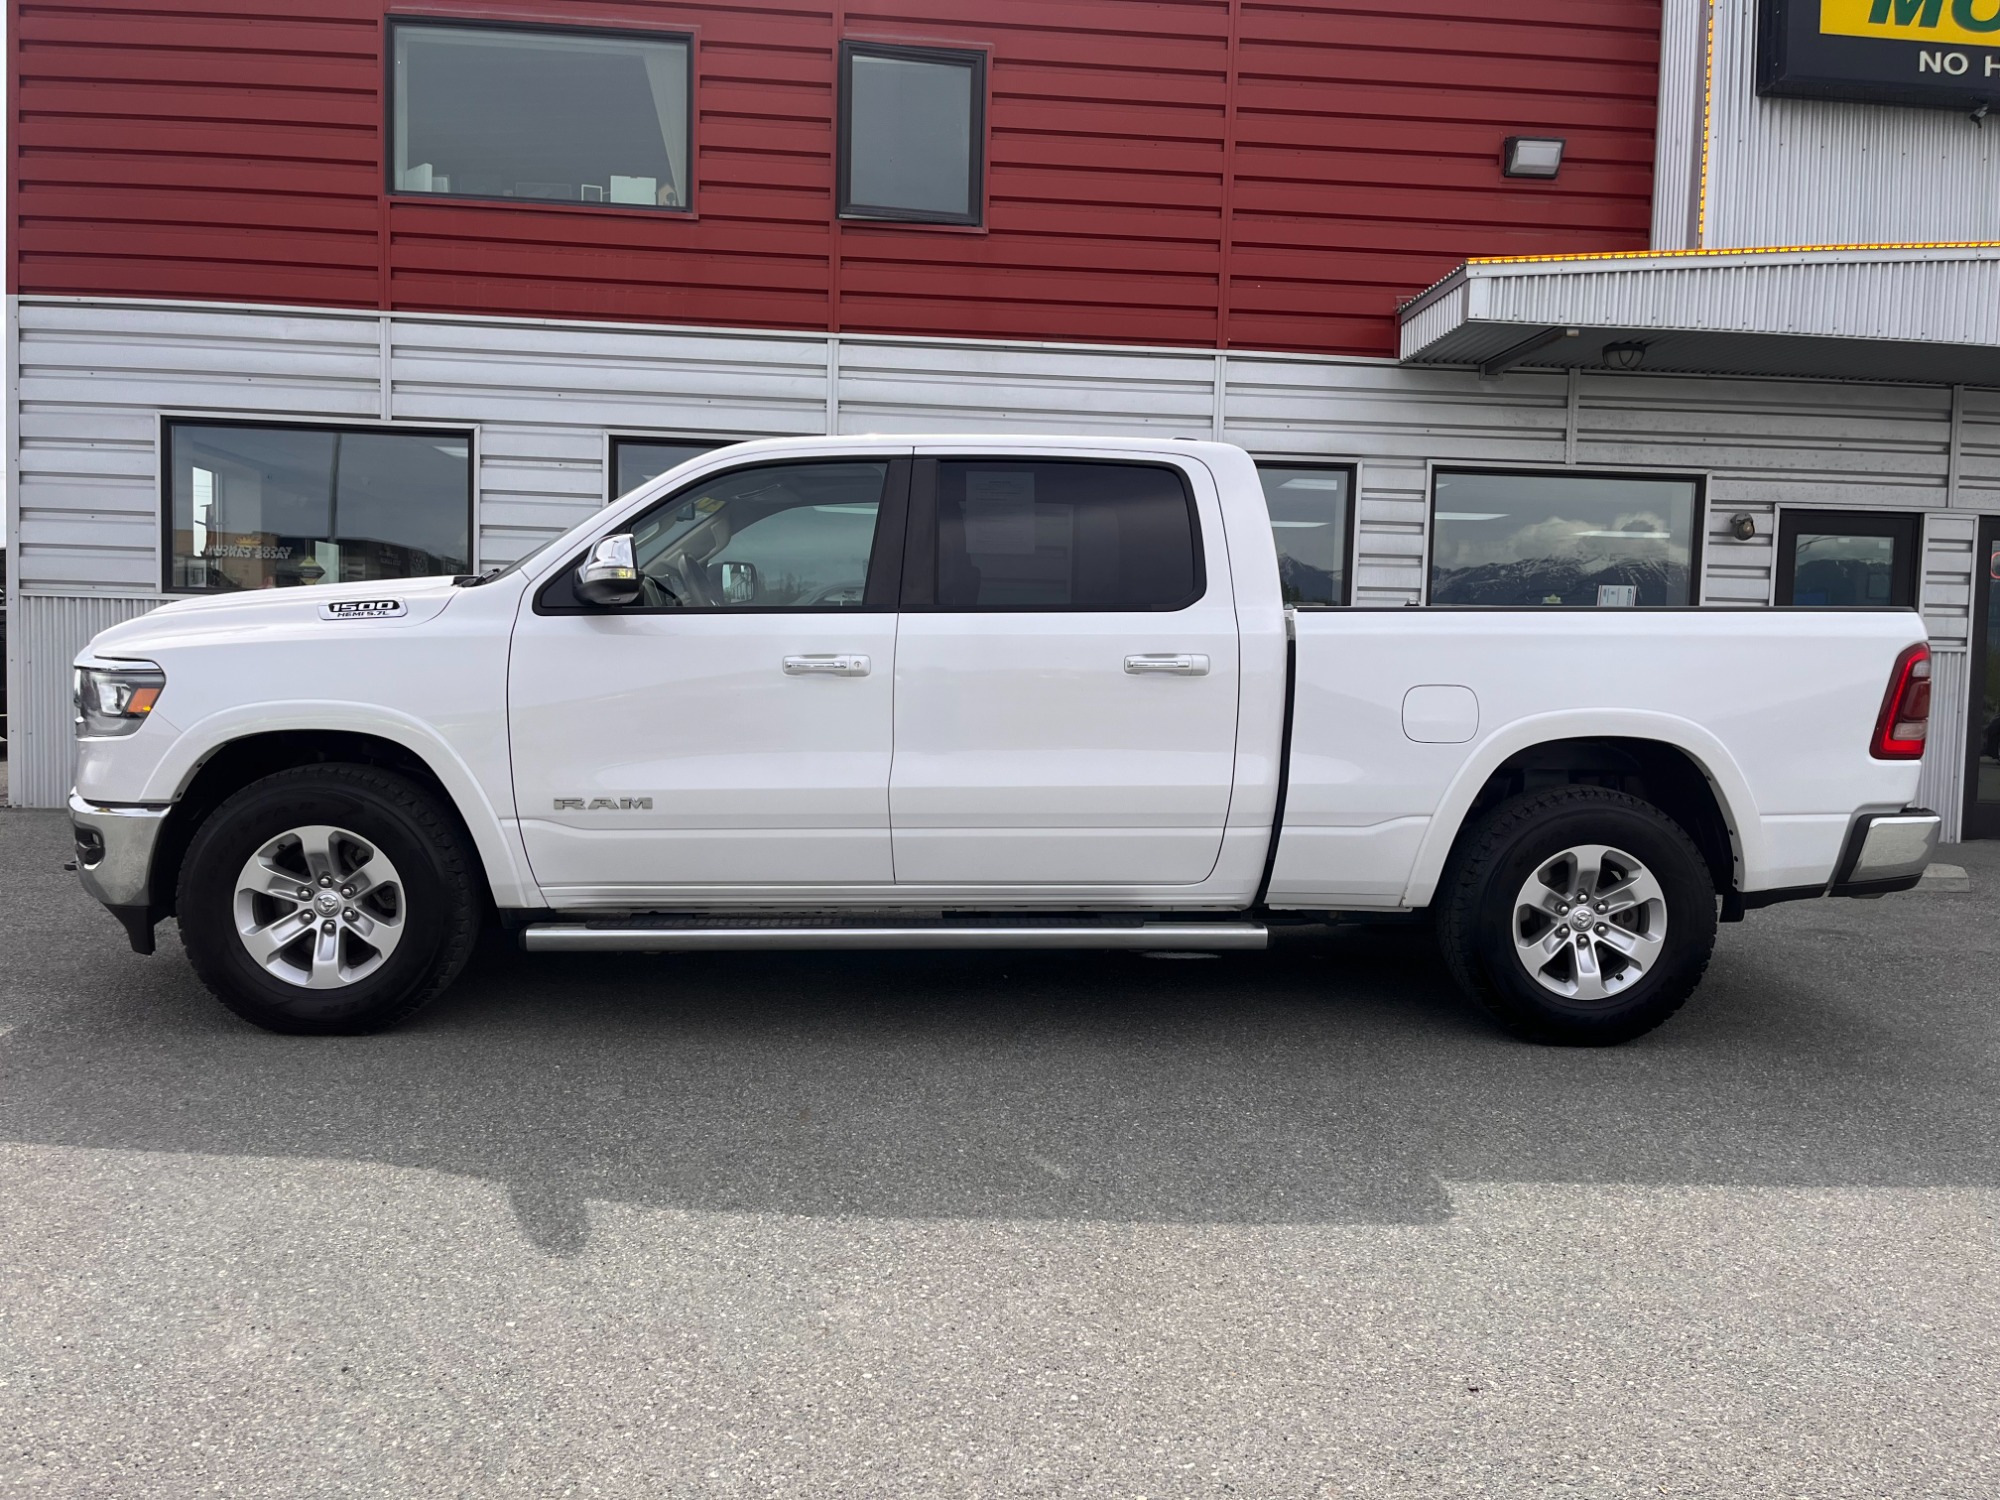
[[1602, 929], [305, 893], [350, 914], [348, 890], [326, 927], [326, 880]]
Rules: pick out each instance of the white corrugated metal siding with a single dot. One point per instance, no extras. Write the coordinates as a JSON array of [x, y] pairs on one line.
[[47, 633], [542, 398], [1822, 172]]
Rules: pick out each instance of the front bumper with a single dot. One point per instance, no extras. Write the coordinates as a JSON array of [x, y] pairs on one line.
[[1887, 852], [114, 859]]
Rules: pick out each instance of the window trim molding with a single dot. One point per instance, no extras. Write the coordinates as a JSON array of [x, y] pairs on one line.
[[1895, 525], [168, 420], [1350, 541], [979, 59], [1697, 548], [393, 193]]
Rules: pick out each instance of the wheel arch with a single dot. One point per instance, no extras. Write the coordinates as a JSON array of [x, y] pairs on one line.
[[1671, 763], [229, 762]]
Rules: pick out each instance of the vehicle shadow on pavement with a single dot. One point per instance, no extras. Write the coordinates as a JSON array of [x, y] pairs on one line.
[[1338, 1078]]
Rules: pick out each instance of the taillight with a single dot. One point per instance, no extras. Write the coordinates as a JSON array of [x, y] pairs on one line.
[[1906, 712]]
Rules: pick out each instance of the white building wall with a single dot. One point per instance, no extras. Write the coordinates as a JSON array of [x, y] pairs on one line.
[[543, 398], [1803, 171]]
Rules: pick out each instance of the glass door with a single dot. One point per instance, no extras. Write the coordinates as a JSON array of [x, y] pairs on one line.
[[1982, 792], [1857, 559]]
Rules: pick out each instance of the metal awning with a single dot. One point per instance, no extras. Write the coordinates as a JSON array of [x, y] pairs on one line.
[[1925, 313]]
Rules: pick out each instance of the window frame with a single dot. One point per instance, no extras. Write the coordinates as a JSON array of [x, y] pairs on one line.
[[844, 207], [920, 536], [616, 440], [1348, 534], [1896, 526], [171, 419], [1697, 544], [688, 34], [556, 593]]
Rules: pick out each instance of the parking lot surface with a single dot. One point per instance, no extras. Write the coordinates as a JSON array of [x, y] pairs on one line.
[[1280, 1225]]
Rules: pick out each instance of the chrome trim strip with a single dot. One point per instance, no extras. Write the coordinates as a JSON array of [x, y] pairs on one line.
[[1208, 937], [122, 875]]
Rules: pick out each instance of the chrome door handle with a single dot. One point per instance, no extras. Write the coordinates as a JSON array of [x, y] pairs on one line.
[[826, 666], [1180, 664]]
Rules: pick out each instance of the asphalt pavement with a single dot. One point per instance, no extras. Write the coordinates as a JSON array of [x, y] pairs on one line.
[[1294, 1224]]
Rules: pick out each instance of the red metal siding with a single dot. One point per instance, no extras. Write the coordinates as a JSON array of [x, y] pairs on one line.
[[1232, 172]]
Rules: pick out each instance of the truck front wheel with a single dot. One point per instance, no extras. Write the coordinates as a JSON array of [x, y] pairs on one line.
[[328, 900], [1578, 916]]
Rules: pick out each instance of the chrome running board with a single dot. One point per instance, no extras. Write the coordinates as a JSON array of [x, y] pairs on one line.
[[711, 934]]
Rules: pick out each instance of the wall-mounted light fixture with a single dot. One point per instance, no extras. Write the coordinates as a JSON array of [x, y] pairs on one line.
[[1626, 356], [1743, 526], [1531, 156]]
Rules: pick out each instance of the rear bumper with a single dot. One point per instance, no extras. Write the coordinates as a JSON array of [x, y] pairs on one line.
[[1887, 852], [114, 859]]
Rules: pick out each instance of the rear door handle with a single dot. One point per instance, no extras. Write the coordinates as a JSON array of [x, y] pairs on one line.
[[845, 665], [1178, 664]]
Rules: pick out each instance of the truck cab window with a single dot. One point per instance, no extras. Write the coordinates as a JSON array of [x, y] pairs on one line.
[[785, 536], [1065, 534]]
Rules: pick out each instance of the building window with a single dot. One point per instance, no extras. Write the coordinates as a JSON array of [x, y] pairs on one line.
[[1310, 510], [636, 460], [256, 506], [545, 116], [912, 134], [1847, 558], [1563, 539]]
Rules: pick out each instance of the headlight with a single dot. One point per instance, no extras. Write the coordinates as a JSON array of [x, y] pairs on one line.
[[115, 700]]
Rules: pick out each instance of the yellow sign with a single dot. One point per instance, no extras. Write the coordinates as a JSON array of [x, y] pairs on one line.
[[1950, 22]]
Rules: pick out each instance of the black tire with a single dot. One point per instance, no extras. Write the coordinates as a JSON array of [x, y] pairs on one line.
[[1476, 913], [438, 899]]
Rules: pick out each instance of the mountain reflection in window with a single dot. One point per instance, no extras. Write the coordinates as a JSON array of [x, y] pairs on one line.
[[1562, 540]]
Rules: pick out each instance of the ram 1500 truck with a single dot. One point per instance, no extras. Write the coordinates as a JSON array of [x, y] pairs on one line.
[[996, 692]]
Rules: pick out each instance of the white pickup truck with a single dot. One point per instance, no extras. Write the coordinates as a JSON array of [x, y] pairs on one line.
[[974, 692]]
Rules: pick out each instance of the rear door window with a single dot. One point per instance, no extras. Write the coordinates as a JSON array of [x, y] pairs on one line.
[[1061, 534]]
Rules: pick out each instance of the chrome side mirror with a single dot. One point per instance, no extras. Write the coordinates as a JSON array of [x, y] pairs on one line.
[[609, 576], [739, 583]]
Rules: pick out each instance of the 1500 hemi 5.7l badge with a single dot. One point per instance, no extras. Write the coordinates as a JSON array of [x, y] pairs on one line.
[[362, 609]]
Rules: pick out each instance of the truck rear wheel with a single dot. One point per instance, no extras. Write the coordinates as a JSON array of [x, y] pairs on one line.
[[1578, 916], [328, 900]]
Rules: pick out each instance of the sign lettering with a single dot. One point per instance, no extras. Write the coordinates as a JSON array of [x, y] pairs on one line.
[[1932, 53]]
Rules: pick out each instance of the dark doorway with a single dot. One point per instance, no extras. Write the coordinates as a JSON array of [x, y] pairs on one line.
[[1857, 559], [1982, 781]]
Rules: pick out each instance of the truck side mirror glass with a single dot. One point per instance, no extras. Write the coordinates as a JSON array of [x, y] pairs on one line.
[[609, 576], [739, 583]]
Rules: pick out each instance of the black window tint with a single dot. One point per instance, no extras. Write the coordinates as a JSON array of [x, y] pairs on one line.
[[259, 507], [1563, 539], [1047, 534], [1309, 509], [581, 117], [636, 460]]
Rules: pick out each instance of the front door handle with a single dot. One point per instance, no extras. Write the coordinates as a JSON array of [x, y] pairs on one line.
[[1178, 664], [844, 665]]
